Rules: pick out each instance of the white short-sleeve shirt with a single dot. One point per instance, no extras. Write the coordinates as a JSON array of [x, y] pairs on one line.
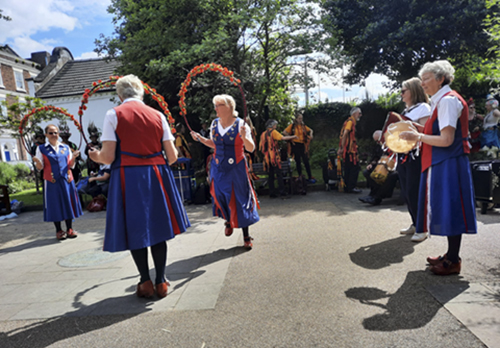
[[111, 122], [419, 111], [449, 108], [56, 148]]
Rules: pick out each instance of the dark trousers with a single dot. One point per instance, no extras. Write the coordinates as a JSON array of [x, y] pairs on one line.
[[281, 186], [351, 172], [386, 189], [409, 179], [299, 152]]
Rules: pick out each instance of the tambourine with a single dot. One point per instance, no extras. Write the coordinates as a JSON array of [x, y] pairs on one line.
[[394, 142]]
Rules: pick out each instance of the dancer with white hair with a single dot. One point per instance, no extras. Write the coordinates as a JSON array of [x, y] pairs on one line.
[[489, 134], [144, 208], [446, 197], [233, 197]]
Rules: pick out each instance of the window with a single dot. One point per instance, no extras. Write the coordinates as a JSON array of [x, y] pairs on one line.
[[18, 74]]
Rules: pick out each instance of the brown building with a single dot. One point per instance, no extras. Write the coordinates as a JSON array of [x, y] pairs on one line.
[[16, 80]]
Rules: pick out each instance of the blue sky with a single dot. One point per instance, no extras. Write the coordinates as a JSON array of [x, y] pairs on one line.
[[42, 25]]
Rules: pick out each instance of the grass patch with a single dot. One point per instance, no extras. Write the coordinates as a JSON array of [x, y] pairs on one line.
[[29, 197]]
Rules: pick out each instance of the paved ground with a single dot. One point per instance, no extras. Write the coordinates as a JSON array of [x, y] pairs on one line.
[[326, 271]]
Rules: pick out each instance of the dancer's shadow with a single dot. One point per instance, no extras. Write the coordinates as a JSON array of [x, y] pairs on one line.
[[187, 269], [383, 254], [410, 307], [45, 333]]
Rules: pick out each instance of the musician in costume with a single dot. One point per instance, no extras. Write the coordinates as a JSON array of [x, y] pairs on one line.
[[475, 124], [60, 197], [378, 191], [272, 158], [299, 147], [65, 134], [446, 199], [348, 152], [409, 165], [39, 139], [233, 196], [489, 134], [94, 134], [144, 208], [181, 143]]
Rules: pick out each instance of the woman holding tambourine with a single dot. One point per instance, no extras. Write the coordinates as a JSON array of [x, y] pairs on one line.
[[409, 165]]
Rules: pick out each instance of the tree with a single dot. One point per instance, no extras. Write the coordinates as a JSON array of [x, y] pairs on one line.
[[6, 18], [396, 37], [16, 110], [161, 41]]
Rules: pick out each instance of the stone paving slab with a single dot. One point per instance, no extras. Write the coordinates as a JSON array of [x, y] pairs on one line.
[[326, 271]]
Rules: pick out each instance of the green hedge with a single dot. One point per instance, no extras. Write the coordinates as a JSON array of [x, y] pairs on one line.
[[18, 177]]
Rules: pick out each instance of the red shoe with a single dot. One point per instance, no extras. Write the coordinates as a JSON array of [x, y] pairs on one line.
[[161, 289], [248, 243], [61, 235], [145, 289], [71, 234], [446, 268], [433, 261], [229, 229]]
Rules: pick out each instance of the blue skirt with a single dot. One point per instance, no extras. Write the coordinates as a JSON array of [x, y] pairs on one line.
[[144, 208], [233, 196], [60, 201], [446, 199]]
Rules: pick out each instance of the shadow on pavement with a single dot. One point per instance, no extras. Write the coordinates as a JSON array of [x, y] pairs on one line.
[[383, 254], [46, 332], [410, 307], [187, 269]]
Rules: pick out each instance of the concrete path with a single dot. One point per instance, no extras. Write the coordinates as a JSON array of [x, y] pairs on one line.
[[326, 271]]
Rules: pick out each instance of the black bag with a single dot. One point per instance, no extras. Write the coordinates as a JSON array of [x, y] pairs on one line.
[[299, 185], [202, 194]]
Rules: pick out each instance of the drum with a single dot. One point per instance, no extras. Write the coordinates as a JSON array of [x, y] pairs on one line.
[[385, 165], [392, 117], [396, 144]]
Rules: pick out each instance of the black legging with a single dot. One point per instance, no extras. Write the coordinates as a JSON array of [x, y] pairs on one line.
[[454, 248], [409, 180], [299, 152], [69, 224], [159, 253]]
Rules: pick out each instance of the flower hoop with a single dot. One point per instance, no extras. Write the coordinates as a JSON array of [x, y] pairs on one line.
[[199, 69], [96, 86], [24, 120]]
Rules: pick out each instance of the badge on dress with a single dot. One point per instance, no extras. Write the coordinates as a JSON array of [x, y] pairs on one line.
[[230, 161]]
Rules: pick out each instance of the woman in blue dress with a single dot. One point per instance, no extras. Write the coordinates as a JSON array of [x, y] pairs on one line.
[[144, 208], [60, 197], [233, 197], [446, 198]]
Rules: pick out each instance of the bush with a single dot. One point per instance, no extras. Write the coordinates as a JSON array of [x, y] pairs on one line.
[[16, 177]]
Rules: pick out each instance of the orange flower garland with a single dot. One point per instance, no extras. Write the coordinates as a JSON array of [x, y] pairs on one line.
[[199, 69], [51, 108], [96, 86]]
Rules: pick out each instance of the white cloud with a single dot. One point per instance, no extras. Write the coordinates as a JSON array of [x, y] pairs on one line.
[[87, 55], [30, 17]]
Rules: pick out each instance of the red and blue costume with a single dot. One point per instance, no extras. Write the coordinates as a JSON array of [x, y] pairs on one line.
[[60, 198], [144, 206], [233, 196], [446, 197]]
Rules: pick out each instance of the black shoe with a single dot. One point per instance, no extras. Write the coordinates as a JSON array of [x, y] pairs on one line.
[[373, 201], [364, 199]]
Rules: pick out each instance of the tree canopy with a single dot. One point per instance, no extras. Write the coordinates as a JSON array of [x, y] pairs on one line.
[[161, 41], [396, 37]]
